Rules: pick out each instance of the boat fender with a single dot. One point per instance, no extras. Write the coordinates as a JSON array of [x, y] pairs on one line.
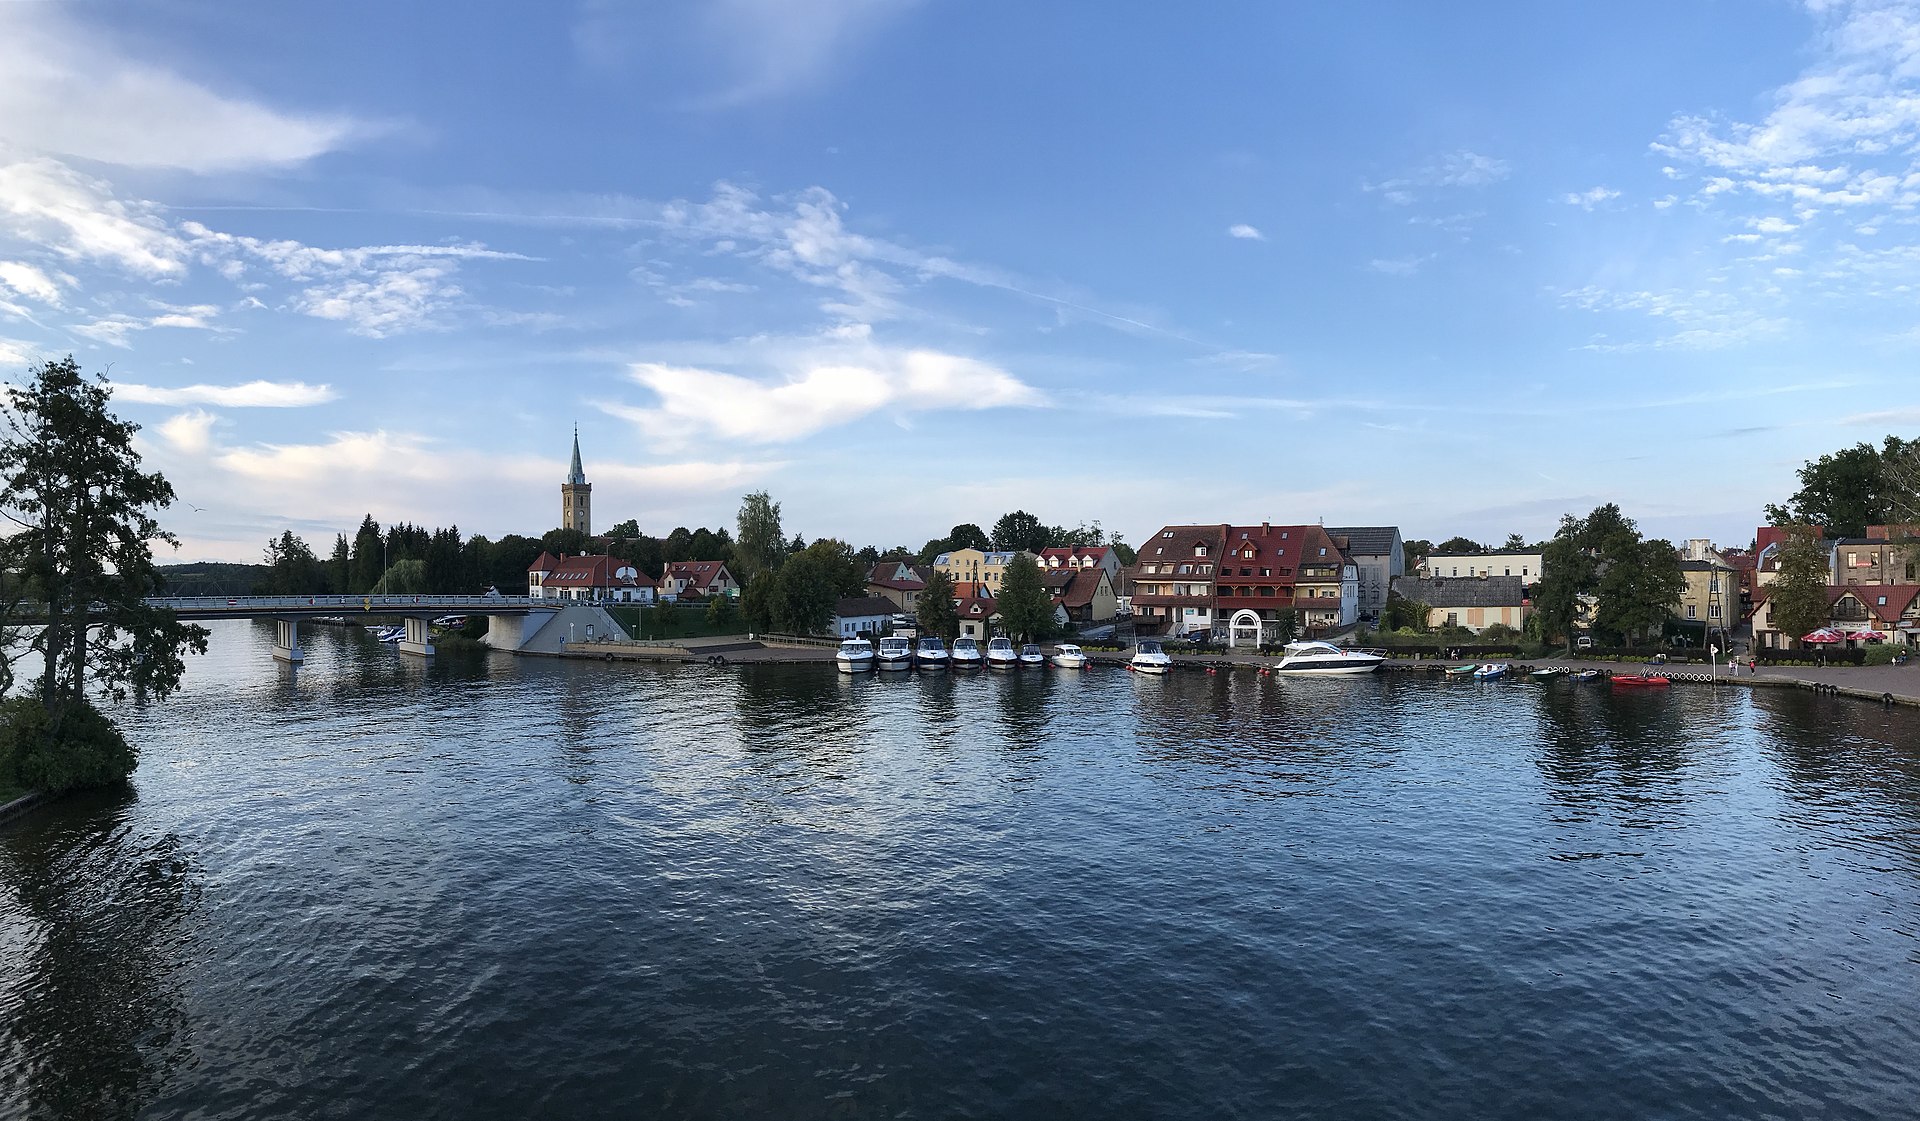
[[1886, 699], [607, 657]]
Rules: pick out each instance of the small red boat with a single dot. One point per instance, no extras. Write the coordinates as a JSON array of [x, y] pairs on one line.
[[1638, 681]]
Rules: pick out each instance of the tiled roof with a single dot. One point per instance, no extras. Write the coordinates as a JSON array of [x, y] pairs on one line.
[[1079, 591], [701, 573], [543, 563], [596, 572], [1368, 540], [860, 607], [898, 575], [1462, 591], [1066, 555], [1899, 597]]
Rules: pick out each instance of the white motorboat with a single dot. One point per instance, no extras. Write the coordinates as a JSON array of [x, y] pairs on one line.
[[894, 654], [1068, 656], [930, 652], [1151, 657], [1031, 657], [855, 656], [1325, 658], [1001, 654], [966, 654]]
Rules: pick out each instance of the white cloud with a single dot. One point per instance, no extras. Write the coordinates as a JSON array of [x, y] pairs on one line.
[[1590, 198], [30, 282], [1461, 169], [190, 433], [1687, 320], [1245, 232], [1399, 266], [15, 352], [253, 394], [832, 388], [65, 90], [114, 329], [49, 204]]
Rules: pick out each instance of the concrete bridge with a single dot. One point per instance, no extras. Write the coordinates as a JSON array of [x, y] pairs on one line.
[[508, 617]]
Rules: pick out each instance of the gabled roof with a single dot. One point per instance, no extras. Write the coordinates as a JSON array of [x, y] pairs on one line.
[[543, 563], [1899, 597], [1068, 554], [1462, 591], [1368, 540], [861, 607], [596, 572], [1079, 589], [703, 574], [1161, 547], [898, 575]]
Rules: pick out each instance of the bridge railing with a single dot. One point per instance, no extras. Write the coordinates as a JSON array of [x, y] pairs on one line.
[[362, 603]]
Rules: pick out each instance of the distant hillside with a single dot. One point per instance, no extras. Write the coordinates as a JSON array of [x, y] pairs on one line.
[[211, 578]]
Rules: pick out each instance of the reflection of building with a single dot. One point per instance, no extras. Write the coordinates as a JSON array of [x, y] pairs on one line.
[[1475, 603], [576, 495], [1376, 551]]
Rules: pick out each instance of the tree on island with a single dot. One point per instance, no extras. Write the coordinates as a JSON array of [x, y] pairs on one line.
[[1799, 593], [1025, 605], [936, 614], [84, 513]]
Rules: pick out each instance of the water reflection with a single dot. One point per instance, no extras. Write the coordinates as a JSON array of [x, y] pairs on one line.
[[91, 1018]]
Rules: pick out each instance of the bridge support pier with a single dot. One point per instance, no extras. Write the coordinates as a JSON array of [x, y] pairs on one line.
[[286, 641], [418, 640]]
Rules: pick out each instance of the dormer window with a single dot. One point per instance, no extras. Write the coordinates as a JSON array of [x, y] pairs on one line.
[[1199, 550]]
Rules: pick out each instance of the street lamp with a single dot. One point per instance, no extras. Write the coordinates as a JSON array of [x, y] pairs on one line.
[[383, 566]]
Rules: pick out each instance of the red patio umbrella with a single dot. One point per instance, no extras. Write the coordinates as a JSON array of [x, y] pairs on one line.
[[1864, 636], [1824, 634]]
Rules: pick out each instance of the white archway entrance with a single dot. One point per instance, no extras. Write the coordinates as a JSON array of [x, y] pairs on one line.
[[1244, 625]]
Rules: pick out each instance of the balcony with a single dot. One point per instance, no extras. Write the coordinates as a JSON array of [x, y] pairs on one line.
[[1144, 600], [1281, 597]]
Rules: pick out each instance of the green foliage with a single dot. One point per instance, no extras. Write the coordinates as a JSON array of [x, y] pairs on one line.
[[406, 578], [1880, 655], [1514, 543], [1574, 562], [1458, 545], [805, 589], [292, 568], [840, 566], [73, 485], [1286, 625], [1798, 595], [1638, 589], [560, 542], [936, 613], [83, 749], [621, 531], [1122, 551], [756, 601], [1026, 607], [1500, 632], [758, 543], [1403, 614], [721, 613], [1848, 490], [666, 613], [1902, 478], [968, 536], [1020, 530]]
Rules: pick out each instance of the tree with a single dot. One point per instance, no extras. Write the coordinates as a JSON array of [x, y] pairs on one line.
[[1514, 543], [969, 536], [1020, 531], [85, 513], [559, 542], [1903, 484], [295, 570], [1847, 491], [1084, 536], [1403, 614], [369, 555], [665, 614], [1286, 625], [340, 565], [931, 550], [624, 530], [1458, 545], [720, 613], [1026, 607], [507, 563], [840, 565], [805, 591], [936, 613], [756, 601], [1799, 593], [1637, 592], [758, 543], [1602, 556], [1122, 551]]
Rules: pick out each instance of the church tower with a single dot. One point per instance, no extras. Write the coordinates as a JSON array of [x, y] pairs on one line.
[[576, 495]]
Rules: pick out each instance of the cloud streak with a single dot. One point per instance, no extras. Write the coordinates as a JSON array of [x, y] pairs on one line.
[[248, 395]]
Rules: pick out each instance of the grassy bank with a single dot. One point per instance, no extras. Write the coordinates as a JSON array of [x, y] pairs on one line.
[[681, 622]]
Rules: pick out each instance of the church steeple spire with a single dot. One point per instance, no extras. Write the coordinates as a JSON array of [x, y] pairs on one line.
[[576, 494]]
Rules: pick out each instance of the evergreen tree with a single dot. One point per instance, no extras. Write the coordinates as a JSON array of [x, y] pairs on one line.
[[295, 571], [1026, 607], [340, 565], [1286, 626], [73, 485], [936, 614], [368, 556]]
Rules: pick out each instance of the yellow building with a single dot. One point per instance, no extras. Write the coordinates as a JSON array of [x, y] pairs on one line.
[[1712, 594], [975, 566]]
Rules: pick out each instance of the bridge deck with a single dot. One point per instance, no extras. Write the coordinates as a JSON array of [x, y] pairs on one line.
[[297, 607]]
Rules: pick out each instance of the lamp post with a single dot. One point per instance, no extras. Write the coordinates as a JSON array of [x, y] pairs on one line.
[[383, 566]]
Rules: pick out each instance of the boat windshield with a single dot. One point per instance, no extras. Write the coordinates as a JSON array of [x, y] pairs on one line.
[[1150, 647], [856, 646], [931, 643], [893, 645], [1000, 644], [965, 644], [1029, 648], [1313, 648]]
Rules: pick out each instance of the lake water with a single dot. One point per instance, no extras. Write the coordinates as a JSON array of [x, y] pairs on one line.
[[498, 888]]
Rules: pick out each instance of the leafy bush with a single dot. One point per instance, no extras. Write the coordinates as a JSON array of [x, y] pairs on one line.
[[87, 751], [1881, 655]]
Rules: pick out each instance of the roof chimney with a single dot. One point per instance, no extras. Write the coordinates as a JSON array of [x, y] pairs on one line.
[[1265, 528]]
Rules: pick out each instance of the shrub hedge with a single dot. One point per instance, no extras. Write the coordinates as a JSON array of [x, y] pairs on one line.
[[89, 750]]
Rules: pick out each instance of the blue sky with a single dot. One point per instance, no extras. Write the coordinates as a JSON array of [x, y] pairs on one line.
[[906, 264]]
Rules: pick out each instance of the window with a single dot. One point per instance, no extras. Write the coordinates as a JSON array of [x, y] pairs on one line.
[[1186, 570], [1453, 618], [1523, 570], [1713, 583], [1168, 533], [1206, 570], [1266, 572], [1199, 550], [1883, 601], [1713, 611], [1691, 611], [1456, 570], [1507, 572], [1323, 552]]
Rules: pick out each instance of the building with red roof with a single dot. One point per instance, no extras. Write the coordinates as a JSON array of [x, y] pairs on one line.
[[705, 579], [599, 579]]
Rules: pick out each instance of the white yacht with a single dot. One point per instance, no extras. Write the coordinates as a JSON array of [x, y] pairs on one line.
[[855, 656], [1325, 658], [894, 654], [1031, 657], [1001, 654], [930, 652], [1068, 656], [966, 654], [1151, 657]]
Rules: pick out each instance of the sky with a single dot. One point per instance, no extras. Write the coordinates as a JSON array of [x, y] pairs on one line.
[[911, 263]]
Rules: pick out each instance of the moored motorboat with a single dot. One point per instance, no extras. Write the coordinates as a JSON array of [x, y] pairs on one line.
[[1068, 656], [1491, 670], [930, 653], [1031, 657], [1639, 681], [1001, 654], [1325, 658], [854, 656], [1545, 674], [966, 654], [1463, 671], [1151, 657], [894, 654]]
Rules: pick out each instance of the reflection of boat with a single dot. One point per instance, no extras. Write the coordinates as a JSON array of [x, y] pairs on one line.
[[389, 634], [1544, 674], [1324, 657], [894, 654], [1491, 670], [930, 652], [1638, 681], [966, 654], [1001, 654], [1584, 675], [1151, 657], [1462, 671], [855, 656], [1068, 656], [1031, 657]]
